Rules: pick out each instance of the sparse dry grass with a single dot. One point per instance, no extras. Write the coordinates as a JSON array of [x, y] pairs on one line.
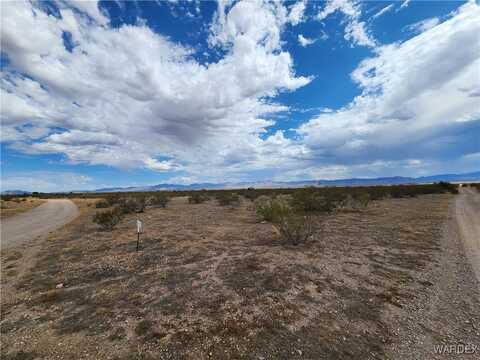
[[18, 205], [214, 282]]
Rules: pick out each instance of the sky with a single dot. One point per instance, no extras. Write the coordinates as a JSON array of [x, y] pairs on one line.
[[133, 93]]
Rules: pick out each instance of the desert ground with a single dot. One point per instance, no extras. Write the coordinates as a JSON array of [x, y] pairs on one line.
[[39, 220], [18, 206], [391, 281]]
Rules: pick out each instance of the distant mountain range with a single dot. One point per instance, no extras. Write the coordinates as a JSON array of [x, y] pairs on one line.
[[395, 180], [15, 192]]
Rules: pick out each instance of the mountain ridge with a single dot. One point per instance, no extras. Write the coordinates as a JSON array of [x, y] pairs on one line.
[[390, 180]]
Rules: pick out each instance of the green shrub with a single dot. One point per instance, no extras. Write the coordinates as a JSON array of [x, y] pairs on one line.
[[309, 200], [197, 198], [265, 208], [102, 204], [475, 186], [363, 199], [133, 204], [451, 188], [107, 219], [160, 199], [143, 327], [251, 194], [357, 201], [140, 203], [112, 199], [126, 205], [294, 226], [228, 199]]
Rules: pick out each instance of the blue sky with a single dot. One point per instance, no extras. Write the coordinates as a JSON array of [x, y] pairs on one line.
[[128, 93]]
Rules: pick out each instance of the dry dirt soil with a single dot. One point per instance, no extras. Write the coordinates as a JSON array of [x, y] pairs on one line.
[[39, 221], [211, 282]]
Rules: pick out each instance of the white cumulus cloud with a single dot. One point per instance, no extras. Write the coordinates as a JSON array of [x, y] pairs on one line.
[[355, 29], [424, 25], [414, 102], [131, 98], [296, 15], [303, 41], [127, 96]]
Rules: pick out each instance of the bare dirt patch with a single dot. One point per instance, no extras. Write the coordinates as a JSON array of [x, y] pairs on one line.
[[213, 282]]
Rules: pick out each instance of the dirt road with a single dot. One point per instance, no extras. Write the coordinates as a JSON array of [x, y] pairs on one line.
[[467, 213], [39, 221], [448, 311]]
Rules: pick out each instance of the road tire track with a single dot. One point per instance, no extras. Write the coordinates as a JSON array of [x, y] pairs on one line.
[[39, 221], [467, 213]]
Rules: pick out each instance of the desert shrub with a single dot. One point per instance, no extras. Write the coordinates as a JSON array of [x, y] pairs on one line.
[[126, 205], [265, 208], [139, 203], [295, 228], [362, 199], [160, 199], [197, 198], [143, 327], [251, 194], [356, 201], [293, 225], [107, 219], [309, 200], [397, 193], [451, 188], [475, 186], [132, 204], [228, 199], [113, 199], [102, 204]]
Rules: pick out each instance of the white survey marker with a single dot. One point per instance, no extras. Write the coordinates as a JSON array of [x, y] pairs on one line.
[[139, 227]]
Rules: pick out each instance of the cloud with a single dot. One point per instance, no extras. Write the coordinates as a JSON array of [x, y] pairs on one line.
[[45, 181], [296, 15], [90, 8], [156, 165], [472, 156], [127, 96], [383, 11], [404, 4], [182, 180], [355, 32], [131, 98], [355, 29], [303, 41], [323, 35], [413, 102], [423, 25]]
